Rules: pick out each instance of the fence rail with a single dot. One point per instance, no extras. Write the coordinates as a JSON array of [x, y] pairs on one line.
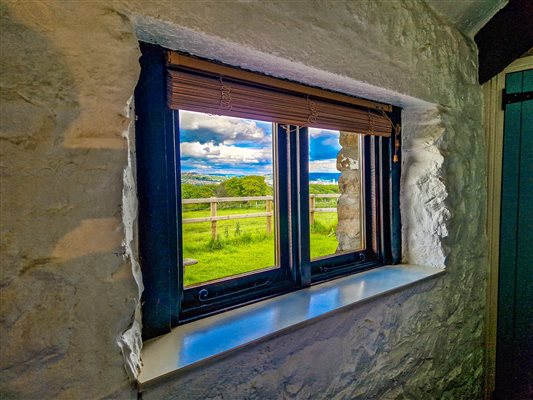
[[225, 199], [213, 218], [226, 217]]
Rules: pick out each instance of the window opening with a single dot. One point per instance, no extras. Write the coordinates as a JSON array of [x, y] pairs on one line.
[[251, 186], [228, 185], [335, 193]]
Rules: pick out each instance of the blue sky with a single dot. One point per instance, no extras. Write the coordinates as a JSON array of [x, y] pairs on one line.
[[213, 144], [323, 149]]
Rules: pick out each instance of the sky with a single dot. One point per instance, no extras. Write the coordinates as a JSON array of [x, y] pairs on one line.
[[212, 144], [323, 149]]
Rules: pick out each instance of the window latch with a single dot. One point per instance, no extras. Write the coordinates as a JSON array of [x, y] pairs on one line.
[[203, 295]]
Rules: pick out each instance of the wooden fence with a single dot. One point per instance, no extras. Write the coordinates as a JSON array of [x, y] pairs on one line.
[[213, 218]]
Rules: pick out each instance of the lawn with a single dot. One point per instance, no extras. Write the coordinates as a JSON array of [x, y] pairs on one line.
[[242, 245]]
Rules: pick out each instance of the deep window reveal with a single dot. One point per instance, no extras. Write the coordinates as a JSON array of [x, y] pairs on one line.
[[302, 127]]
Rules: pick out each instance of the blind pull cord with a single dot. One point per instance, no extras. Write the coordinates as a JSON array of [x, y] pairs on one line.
[[370, 122], [396, 135], [313, 112], [225, 95]]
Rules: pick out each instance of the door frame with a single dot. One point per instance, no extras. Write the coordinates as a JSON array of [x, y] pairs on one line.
[[493, 118]]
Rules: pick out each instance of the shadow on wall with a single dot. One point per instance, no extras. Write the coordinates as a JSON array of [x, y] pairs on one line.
[[61, 230], [46, 179]]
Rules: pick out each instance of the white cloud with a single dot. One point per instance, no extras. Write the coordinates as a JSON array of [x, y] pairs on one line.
[[222, 129], [316, 132], [329, 165], [223, 154]]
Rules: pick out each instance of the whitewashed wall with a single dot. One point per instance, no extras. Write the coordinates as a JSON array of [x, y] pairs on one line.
[[68, 70]]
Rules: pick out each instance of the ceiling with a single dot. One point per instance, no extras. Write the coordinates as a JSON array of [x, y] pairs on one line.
[[468, 16]]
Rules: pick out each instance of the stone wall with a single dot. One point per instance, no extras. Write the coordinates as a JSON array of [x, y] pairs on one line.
[[349, 203], [68, 293]]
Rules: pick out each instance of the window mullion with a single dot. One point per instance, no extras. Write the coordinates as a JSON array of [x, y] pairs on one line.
[[175, 198], [283, 182], [303, 207], [384, 196], [294, 195], [369, 193]]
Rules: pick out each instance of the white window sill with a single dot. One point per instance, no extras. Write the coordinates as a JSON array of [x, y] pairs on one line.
[[191, 344]]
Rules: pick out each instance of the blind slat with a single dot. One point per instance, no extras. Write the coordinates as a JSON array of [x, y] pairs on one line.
[[204, 93]]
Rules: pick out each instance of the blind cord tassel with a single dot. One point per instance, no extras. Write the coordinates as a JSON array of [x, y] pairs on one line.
[[397, 128]]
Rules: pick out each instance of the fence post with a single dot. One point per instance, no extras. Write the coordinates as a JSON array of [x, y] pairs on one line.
[[269, 217], [312, 209], [213, 214]]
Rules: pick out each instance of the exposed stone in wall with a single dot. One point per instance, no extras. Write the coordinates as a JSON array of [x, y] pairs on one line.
[[349, 203], [68, 296], [355, 354], [423, 195]]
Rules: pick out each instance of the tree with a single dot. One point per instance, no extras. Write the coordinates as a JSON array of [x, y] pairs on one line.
[[190, 191], [251, 185], [254, 185]]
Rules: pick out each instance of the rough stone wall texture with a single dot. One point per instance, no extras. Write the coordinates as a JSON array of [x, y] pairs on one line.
[[349, 204], [68, 69], [67, 293]]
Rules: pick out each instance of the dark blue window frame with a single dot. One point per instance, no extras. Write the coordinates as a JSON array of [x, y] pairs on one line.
[[165, 301]]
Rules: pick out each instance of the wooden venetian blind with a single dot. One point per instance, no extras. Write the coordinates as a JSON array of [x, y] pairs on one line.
[[197, 85]]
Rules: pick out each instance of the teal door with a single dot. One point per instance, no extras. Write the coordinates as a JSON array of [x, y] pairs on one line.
[[514, 353]]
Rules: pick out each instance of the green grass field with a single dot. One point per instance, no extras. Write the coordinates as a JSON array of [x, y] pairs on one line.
[[243, 245]]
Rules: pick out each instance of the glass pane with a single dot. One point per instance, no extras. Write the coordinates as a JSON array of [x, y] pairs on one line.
[[227, 196], [335, 193]]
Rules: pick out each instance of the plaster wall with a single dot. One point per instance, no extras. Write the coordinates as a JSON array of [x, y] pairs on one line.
[[70, 285], [468, 16]]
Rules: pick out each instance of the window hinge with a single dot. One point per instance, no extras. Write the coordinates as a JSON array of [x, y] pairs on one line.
[[509, 98]]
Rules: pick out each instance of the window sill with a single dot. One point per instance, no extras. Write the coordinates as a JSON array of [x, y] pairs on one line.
[[191, 344]]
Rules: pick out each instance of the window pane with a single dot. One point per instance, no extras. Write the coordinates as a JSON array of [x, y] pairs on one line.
[[227, 190], [335, 193]]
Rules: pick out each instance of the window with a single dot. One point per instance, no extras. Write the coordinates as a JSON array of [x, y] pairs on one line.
[[251, 187]]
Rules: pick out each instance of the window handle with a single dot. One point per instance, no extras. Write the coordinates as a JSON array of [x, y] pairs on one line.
[[203, 294]]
